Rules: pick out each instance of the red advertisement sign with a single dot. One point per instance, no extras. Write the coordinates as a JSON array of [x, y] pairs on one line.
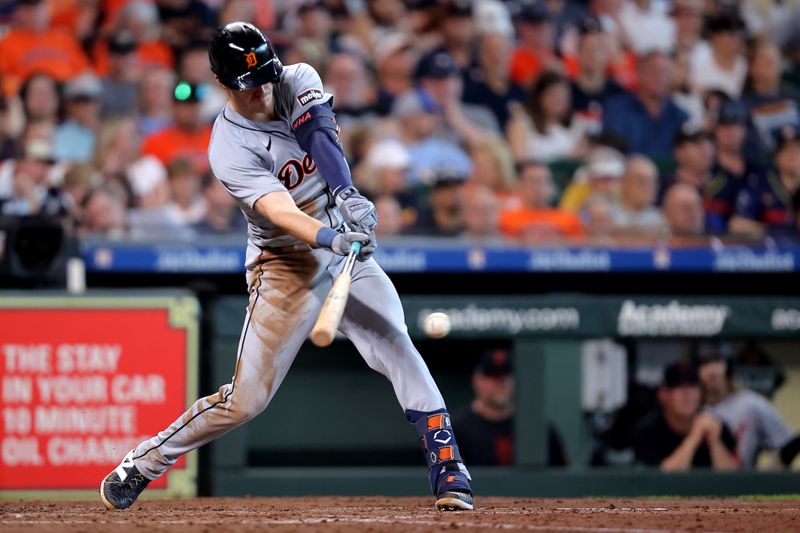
[[81, 387]]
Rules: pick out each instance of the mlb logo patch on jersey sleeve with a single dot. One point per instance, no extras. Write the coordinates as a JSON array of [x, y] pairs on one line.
[[309, 95]]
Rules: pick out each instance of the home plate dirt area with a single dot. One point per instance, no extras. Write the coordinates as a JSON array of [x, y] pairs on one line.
[[375, 514]]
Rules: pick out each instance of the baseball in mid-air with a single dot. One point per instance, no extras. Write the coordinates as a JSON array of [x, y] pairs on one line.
[[436, 325]]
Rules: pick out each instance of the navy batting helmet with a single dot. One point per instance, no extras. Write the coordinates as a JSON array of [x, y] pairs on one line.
[[242, 57]]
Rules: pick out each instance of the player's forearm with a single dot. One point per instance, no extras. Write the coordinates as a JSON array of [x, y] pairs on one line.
[[740, 225], [330, 160], [281, 210], [721, 458], [681, 458]]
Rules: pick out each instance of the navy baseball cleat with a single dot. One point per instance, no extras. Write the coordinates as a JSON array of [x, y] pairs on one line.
[[453, 490], [120, 488]]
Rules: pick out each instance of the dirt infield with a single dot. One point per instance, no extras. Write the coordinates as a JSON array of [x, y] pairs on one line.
[[338, 514]]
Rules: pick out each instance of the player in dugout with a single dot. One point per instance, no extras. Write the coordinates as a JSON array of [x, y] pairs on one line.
[[275, 147]]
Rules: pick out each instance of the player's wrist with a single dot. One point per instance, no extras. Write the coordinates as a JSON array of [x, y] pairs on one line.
[[342, 193], [325, 237]]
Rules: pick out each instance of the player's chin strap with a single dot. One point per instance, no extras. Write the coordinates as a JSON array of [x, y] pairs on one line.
[[447, 472]]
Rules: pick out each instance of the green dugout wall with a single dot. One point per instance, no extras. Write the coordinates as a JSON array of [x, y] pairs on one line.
[[333, 410]]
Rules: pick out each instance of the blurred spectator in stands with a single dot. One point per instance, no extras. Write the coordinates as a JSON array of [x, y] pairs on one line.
[[481, 214], [24, 184], [648, 120], [439, 85], [764, 203], [635, 213], [458, 34], [32, 46], [764, 17], [189, 136], [117, 146], [754, 421], [494, 168], [694, 155], [155, 100], [684, 96], [547, 130], [387, 17], [185, 190], [597, 217], [140, 19], [104, 212], [41, 99], [119, 95], [314, 40], [384, 173], [720, 64], [600, 176], [771, 106], [354, 93], [687, 16], [222, 215], [647, 26], [262, 14], [536, 220], [590, 86], [394, 65], [567, 17], [443, 214], [184, 21], [732, 166], [151, 213], [391, 216], [78, 181], [677, 436], [683, 210], [193, 67], [430, 144], [75, 138], [488, 82], [486, 427], [535, 53]]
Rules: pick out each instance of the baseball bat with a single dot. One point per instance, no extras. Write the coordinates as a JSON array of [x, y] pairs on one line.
[[331, 313]]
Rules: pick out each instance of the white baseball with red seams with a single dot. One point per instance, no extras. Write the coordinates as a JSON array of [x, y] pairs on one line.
[[436, 325]]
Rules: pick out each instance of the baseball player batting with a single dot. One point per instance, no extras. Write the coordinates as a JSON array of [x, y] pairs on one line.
[[275, 147]]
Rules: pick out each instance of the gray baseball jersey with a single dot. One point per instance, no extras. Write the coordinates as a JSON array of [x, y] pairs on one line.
[[253, 158], [755, 423], [288, 282]]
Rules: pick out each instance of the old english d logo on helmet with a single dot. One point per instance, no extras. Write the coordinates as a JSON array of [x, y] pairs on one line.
[[242, 57]]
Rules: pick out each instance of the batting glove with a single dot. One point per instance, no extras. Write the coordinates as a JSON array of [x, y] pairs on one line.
[[358, 212], [343, 241]]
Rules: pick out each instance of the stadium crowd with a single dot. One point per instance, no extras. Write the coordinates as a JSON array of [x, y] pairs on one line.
[[534, 121]]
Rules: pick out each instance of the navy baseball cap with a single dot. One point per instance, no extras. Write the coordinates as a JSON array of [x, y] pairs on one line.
[[709, 351], [732, 112], [438, 65], [494, 363], [679, 374], [536, 13], [685, 135], [724, 23], [589, 25], [459, 8]]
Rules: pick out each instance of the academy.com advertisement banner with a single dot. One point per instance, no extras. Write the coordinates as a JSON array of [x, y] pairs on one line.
[[83, 380], [585, 316]]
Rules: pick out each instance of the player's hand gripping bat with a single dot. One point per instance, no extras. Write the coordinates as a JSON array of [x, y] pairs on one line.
[[331, 313]]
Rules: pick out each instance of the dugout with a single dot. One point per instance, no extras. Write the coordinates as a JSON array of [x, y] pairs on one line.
[[334, 425]]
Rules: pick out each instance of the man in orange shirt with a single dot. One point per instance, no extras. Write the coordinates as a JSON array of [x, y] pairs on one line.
[[189, 136], [32, 46], [536, 220]]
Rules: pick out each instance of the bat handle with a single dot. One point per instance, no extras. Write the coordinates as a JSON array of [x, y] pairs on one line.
[[355, 249]]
